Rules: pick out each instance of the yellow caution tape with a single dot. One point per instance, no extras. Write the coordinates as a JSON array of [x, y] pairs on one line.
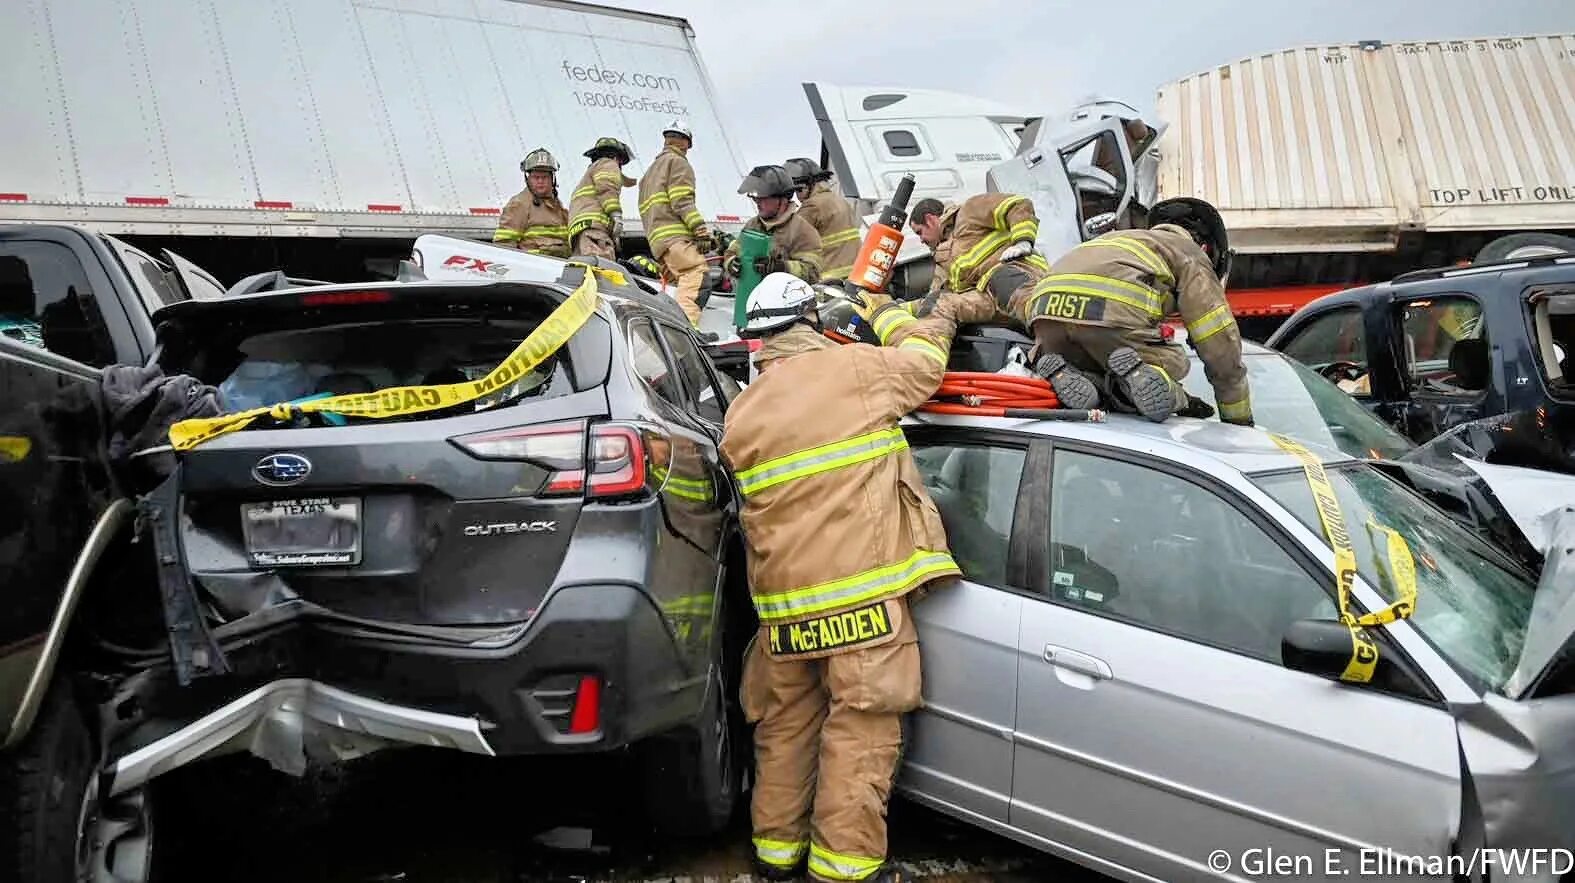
[[14, 448], [1364, 650], [546, 339], [1401, 571]]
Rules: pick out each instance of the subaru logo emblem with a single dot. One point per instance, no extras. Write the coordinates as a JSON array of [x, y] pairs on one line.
[[279, 470]]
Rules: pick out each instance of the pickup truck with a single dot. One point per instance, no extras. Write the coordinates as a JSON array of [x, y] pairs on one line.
[[1478, 360], [71, 303]]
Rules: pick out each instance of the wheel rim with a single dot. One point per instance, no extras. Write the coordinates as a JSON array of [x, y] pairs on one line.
[[114, 840]]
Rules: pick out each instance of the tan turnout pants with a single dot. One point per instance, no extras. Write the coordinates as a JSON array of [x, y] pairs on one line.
[[828, 740], [684, 263], [1088, 348], [594, 242]]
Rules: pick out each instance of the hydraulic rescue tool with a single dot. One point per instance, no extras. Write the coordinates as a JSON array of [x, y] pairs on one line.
[[977, 393]]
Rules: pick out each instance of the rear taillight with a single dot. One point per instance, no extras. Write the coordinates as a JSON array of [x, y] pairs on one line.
[[617, 462], [616, 466], [587, 714]]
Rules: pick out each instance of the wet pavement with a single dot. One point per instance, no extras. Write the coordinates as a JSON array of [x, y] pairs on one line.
[[416, 816]]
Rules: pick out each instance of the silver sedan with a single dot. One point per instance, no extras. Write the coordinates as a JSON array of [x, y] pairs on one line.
[[1140, 671]]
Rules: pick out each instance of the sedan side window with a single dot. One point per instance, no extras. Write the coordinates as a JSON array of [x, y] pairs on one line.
[[1155, 550], [975, 489], [1334, 337]]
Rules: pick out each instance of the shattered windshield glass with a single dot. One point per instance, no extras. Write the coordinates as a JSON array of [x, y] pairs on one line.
[[1471, 602], [301, 364]]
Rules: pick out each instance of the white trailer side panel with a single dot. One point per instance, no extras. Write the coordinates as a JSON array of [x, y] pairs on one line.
[[1341, 147], [333, 117]]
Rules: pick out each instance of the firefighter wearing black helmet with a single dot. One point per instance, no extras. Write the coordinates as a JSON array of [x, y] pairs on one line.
[[1098, 311], [595, 208], [795, 246], [830, 215]]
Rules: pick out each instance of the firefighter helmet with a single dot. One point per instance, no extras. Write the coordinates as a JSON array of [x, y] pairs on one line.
[[1203, 221], [763, 181], [610, 147], [840, 321], [777, 301], [540, 159], [805, 171], [680, 128]]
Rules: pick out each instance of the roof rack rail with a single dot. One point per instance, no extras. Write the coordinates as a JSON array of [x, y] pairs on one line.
[[1469, 269]]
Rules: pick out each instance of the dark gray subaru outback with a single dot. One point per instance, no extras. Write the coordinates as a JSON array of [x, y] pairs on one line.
[[551, 568]]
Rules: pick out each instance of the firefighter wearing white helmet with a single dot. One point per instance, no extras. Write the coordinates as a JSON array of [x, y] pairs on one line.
[[1098, 313], [535, 220], [821, 463], [674, 227]]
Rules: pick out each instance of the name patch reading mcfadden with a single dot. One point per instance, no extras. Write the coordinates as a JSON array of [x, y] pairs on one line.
[[832, 632]]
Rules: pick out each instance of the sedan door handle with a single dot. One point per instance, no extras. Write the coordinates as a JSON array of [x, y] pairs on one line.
[[1082, 663]]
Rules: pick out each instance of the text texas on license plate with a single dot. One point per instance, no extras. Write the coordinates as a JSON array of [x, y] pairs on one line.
[[313, 532]]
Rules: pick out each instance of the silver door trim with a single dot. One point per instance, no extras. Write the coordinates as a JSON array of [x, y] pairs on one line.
[[1193, 794], [968, 720]]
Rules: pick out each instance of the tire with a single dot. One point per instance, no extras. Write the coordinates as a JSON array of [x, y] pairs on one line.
[[48, 784], [692, 777], [1520, 246]]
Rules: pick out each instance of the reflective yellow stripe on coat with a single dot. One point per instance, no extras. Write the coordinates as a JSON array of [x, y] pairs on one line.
[[1121, 291], [836, 866], [824, 458], [861, 587]]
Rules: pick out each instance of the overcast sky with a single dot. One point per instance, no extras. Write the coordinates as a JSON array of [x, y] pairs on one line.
[[1040, 55]]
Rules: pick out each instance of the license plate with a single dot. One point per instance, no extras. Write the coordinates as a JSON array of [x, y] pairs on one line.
[[312, 532]]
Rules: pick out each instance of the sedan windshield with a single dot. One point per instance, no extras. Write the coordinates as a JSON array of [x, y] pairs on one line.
[[1471, 602], [1293, 400]]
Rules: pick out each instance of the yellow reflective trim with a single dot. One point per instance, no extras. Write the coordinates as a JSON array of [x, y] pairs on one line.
[[836, 866], [612, 205], [849, 591], [652, 200], [1028, 230], [824, 458], [975, 256], [1139, 250], [779, 853], [1210, 324], [607, 177], [1236, 410], [839, 237], [837, 272], [1003, 208], [550, 232], [503, 234], [668, 231], [680, 192], [1037, 260], [924, 346], [889, 321], [587, 190], [14, 448]]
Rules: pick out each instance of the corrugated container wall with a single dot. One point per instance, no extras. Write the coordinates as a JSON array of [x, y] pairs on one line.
[[1332, 148], [343, 107]]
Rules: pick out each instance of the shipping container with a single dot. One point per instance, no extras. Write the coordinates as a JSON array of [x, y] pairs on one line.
[[248, 127], [1355, 162]]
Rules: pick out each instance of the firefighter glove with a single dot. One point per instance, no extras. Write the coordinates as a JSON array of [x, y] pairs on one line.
[[866, 304], [1016, 250]]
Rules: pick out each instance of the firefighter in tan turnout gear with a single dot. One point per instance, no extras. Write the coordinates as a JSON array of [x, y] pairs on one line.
[[839, 530], [1101, 305], [534, 220], [674, 227], [595, 208], [830, 215], [795, 246]]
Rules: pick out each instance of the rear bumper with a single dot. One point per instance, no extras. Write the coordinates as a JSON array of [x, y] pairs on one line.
[[343, 692]]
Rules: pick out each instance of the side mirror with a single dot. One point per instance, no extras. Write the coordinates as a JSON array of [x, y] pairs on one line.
[[1099, 225], [1317, 646]]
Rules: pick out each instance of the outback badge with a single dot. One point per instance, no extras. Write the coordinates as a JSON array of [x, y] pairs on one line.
[[280, 470]]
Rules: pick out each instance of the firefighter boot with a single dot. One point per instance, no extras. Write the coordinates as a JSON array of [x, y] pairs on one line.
[[1072, 387], [775, 874], [1146, 387]]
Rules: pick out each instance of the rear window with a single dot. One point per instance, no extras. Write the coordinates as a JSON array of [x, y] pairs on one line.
[[296, 364]]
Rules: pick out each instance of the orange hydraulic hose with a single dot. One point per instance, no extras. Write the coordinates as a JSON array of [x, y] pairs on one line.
[[983, 394]]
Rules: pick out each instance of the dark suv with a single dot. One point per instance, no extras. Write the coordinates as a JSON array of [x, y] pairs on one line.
[[545, 570]]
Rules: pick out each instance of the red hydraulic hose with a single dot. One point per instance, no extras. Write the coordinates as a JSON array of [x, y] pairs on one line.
[[983, 394]]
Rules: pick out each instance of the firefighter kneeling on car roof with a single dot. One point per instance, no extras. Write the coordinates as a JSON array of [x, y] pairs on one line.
[[839, 530]]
